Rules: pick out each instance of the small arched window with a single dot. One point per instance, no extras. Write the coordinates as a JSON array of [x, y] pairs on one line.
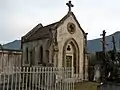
[[40, 55], [26, 61]]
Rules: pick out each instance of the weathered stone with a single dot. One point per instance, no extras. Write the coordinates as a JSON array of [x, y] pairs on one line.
[[55, 39]]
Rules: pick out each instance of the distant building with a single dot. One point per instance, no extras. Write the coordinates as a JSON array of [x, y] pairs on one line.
[[9, 58]]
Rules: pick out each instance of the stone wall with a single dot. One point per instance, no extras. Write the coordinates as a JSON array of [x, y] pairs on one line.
[[63, 35], [35, 45]]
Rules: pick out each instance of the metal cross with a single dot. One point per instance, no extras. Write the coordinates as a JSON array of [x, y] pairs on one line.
[[69, 4]]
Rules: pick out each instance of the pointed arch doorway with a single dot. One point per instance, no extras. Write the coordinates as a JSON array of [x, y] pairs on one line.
[[71, 56]]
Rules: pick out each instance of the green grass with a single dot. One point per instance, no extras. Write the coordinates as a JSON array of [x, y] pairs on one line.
[[86, 86]]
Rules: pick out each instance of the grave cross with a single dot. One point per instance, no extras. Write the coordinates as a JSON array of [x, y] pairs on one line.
[[69, 4]]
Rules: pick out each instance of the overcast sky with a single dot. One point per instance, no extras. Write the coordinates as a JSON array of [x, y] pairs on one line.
[[17, 17]]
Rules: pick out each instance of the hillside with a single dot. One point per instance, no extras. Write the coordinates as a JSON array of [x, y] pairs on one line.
[[96, 45], [93, 45]]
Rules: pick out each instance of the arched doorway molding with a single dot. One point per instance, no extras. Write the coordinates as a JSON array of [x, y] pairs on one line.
[[71, 52]]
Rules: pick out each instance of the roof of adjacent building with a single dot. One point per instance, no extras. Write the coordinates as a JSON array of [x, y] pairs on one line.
[[11, 46], [42, 32]]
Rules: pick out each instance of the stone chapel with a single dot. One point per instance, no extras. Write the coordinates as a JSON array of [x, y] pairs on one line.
[[61, 44]]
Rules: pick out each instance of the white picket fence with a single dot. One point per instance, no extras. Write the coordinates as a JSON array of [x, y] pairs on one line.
[[36, 78]]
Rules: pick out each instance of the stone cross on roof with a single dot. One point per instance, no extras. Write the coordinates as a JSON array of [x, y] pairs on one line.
[[69, 4]]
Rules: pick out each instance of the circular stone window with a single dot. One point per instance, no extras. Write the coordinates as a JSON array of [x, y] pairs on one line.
[[71, 28]]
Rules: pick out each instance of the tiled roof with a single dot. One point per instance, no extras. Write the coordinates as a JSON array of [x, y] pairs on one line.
[[40, 33]]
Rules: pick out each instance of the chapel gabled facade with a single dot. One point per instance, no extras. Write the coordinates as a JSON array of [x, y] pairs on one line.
[[62, 44]]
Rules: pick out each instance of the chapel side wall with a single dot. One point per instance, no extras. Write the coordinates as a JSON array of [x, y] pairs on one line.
[[85, 61], [63, 35], [36, 45]]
